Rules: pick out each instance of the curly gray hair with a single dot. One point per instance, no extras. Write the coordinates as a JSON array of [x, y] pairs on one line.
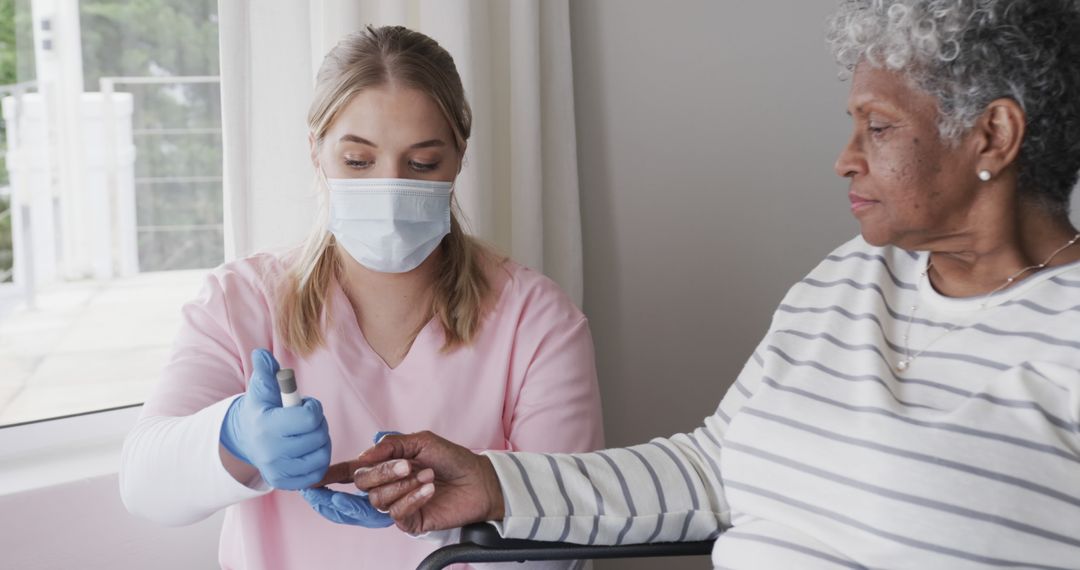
[[967, 53]]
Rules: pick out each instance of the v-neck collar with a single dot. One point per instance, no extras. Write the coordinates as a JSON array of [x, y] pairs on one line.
[[352, 339]]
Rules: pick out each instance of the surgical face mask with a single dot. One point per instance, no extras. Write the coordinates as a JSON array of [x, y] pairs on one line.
[[390, 225]]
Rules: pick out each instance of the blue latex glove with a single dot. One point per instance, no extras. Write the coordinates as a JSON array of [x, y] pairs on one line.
[[289, 446], [348, 508]]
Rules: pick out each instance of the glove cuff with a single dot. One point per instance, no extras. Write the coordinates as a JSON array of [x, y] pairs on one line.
[[228, 432]]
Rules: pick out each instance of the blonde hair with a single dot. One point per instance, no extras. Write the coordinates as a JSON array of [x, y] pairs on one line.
[[369, 58]]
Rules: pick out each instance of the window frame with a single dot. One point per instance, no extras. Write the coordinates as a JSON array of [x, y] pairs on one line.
[[53, 451]]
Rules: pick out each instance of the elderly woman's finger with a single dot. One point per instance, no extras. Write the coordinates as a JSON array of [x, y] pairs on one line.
[[384, 497], [368, 478], [345, 471], [410, 504], [391, 447], [381, 452]]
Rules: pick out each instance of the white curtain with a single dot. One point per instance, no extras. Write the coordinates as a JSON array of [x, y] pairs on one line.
[[519, 186]]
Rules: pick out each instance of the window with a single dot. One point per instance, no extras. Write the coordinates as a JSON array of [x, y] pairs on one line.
[[111, 206]]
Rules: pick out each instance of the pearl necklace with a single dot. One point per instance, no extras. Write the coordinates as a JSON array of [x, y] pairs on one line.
[[905, 363]]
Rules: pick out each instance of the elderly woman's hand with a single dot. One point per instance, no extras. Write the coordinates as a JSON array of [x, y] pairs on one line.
[[454, 486]]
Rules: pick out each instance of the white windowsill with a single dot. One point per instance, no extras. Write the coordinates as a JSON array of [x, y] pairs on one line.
[[56, 452]]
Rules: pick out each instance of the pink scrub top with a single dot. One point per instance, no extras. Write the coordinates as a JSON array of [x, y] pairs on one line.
[[527, 382]]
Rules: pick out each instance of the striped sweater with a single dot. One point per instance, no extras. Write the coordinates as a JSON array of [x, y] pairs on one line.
[[823, 455]]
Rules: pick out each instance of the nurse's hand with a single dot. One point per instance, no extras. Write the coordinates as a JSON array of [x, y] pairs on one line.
[[289, 446], [465, 488], [345, 508]]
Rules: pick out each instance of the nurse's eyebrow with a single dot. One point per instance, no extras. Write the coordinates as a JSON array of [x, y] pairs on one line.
[[356, 139], [423, 144], [429, 144]]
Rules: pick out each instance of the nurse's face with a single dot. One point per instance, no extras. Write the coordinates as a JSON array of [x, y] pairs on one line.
[[908, 188], [388, 132]]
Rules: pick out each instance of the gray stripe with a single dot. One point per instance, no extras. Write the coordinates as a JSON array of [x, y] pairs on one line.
[[1031, 368], [921, 457], [1026, 405], [895, 348], [689, 487], [758, 358], [819, 284], [792, 546], [659, 493], [921, 545], [841, 310], [742, 389], [712, 438], [986, 329], [1019, 442], [907, 498], [996, 400], [723, 416], [532, 493], [686, 525], [869, 257], [1065, 282], [596, 495], [896, 315], [685, 474], [917, 381], [832, 372], [626, 495], [794, 310], [562, 490], [921, 321], [1040, 337], [708, 458], [893, 313], [1039, 308]]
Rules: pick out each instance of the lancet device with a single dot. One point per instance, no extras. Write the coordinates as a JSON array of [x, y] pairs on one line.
[[286, 380]]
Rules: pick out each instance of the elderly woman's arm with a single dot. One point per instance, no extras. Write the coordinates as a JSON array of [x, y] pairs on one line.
[[666, 490], [669, 489]]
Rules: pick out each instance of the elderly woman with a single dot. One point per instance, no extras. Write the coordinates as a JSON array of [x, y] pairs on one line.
[[915, 401]]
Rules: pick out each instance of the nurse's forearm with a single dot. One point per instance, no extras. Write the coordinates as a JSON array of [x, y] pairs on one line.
[[240, 470], [164, 452]]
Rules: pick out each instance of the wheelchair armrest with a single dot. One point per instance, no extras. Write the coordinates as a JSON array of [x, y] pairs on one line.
[[482, 543], [483, 534]]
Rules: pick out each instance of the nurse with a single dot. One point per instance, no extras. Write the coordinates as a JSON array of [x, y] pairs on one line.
[[392, 317]]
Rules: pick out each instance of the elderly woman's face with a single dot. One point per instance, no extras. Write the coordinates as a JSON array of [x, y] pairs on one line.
[[389, 132], [908, 187]]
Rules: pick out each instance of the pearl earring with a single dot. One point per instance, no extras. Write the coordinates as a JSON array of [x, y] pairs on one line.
[[985, 175]]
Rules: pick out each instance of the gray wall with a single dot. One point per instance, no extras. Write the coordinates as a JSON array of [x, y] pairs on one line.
[[707, 132], [707, 135]]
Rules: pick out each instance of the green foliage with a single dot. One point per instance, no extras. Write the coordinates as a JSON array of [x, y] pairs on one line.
[[148, 37], [165, 38], [7, 42], [8, 75], [145, 38], [6, 255]]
